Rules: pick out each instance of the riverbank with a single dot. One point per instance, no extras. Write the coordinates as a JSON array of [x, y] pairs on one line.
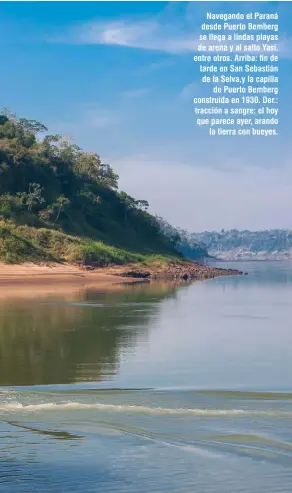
[[186, 271], [54, 273]]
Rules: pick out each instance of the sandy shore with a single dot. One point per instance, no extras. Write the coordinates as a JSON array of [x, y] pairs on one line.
[[56, 274], [53, 274], [31, 280]]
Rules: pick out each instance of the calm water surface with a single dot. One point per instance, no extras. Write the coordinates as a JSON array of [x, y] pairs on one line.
[[150, 388]]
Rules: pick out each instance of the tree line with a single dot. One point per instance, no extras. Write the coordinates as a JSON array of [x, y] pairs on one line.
[[48, 181]]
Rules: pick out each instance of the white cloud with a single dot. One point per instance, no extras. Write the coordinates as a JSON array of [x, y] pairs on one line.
[[200, 198], [156, 35], [148, 35]]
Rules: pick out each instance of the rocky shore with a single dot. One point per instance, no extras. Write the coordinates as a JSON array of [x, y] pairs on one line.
[[186, 271]]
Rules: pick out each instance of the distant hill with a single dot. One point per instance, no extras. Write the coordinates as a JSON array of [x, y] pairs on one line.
[[184, 242], [273, 244]]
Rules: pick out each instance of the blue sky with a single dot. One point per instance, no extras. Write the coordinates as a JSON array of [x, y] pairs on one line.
[[119, 78]]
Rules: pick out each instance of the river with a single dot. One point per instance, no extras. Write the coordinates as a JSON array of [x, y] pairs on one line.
[[151, 388]]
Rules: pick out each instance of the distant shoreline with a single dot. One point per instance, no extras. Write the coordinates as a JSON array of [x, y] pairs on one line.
[[251, 259]]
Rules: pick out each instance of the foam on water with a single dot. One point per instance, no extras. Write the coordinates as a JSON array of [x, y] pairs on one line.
[[51, 406]]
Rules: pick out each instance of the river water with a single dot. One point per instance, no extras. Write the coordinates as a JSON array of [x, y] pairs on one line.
[[149, 388]]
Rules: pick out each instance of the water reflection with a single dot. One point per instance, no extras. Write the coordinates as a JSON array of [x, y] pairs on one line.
[[230, 338], [263, 273], [57, 435], [75, 336]]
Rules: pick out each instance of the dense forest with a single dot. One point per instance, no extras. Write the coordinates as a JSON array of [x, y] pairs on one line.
[[232, 244], [186, 243], [58, 202]]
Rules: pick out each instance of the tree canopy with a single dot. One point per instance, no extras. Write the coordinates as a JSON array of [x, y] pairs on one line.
[[51, 182]]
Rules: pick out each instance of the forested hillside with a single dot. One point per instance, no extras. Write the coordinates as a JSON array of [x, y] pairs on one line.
[[58, 202], [186, 243], [235, 244]]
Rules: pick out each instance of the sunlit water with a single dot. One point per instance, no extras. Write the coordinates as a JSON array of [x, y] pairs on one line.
[[151, 388]]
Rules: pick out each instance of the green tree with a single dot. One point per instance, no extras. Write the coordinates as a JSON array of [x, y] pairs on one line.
[[55, 180], [60, 205], [90, 166], [33, 196]]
